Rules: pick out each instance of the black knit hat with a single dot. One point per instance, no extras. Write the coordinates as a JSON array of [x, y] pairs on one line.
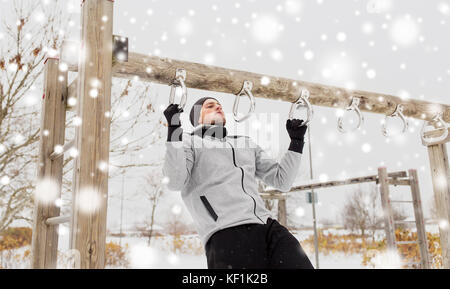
[[197, 109]]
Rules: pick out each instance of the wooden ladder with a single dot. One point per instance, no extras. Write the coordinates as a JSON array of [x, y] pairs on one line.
[[389, 222], [92, 91], [47, 216]]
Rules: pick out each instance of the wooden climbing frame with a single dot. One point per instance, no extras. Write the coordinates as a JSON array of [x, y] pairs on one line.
[[384, 180]]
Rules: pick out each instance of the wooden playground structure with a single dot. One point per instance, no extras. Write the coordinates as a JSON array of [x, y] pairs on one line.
[[92, 89], [383, 179]]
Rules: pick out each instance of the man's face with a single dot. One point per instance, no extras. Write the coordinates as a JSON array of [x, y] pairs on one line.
[[212, 113]]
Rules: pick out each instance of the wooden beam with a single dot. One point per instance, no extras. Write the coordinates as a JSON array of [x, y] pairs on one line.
[[387, 209], [272, 196], [351, 181], [90, 192], [53, 118], [219, 79], [440, 176]]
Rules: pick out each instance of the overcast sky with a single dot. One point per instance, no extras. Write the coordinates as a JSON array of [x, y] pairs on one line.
[[393, 47]]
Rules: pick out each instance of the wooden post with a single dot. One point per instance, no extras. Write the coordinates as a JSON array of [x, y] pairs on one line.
[[53, 117], [387, 209], [440, 175], [90, 190], [418, 214], [282, 218]]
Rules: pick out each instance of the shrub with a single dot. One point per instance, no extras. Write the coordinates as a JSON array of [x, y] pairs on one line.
[[354, 244], [116, 255], [13, 238]]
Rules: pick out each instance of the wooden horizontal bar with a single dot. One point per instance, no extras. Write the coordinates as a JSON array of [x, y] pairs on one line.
[[219, 79], [273, 196], [397, 182], [398, 201], [351, 181], [404, 222], [57, 220], [54, 155]]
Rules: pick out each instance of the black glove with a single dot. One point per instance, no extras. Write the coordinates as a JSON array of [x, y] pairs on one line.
[[296, 130], [172, 114]]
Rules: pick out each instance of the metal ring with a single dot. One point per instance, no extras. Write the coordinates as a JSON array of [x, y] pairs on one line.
[[303, 101], [398, 112], [246, 90], [180, 77], [437, 118], [354, 106]]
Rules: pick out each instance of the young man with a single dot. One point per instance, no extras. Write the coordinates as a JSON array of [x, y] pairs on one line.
[[216, 175]]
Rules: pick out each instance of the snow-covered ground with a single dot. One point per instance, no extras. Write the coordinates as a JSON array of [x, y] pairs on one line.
[[142, 256], [190, 255], [159, 256]]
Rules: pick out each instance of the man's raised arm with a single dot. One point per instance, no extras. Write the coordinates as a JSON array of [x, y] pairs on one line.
[[281, 175], [179, 157]]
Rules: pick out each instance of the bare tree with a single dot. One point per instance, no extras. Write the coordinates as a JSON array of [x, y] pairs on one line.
[[24, 48], [153, 190], [23, 51], [361, 211], [176, 226]]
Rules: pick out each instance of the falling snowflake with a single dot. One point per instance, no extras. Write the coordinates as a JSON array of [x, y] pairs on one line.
[[265, 29], [341, 37], [276, 55], [265, 80], [309, 55], [404, 31], [176, 209], [366, 148], [47, 191], [89, 200], [299, 212], [371, 73], [142, 256], [387, 260]]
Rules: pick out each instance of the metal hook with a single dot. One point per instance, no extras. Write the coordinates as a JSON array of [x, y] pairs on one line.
[[439, 119], [180, 77], [246, 90], [303, 101], [398, 112], [355, 107]]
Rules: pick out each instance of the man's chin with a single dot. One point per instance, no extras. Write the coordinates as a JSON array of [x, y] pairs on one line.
[[218, 122]]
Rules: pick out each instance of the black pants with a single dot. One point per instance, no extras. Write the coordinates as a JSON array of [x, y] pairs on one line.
[[255, 246]]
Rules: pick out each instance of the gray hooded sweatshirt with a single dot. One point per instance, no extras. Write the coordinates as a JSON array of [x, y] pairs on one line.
[[217, 176]]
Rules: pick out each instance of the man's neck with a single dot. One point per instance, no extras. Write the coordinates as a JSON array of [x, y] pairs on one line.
[[216, 131]]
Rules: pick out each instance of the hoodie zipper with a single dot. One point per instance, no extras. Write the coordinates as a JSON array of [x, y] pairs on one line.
[[242, 183]]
